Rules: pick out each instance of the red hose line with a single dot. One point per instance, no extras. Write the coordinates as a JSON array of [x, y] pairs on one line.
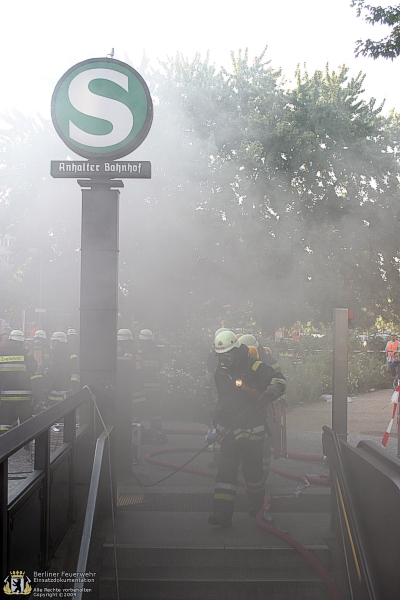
[[306, 457], [161, 463], [294, 455], [327, 579], [271, 529]]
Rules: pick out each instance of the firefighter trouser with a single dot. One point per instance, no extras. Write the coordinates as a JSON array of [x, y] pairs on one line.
[[248, 446], [152, 394], [13, 410], [138, 406]]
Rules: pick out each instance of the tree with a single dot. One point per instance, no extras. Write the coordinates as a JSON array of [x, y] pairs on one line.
[[388, 47]]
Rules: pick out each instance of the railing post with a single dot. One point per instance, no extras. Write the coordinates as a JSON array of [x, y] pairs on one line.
[[4, 519], [42, 463], [70, 438], [340, 371]]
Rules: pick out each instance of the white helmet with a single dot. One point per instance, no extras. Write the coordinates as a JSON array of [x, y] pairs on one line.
[[220, 330], [59, 336], [124, 334], [71, 332], [225, 341], [39, 333], [146, 334], [249, 340], [17, 335]]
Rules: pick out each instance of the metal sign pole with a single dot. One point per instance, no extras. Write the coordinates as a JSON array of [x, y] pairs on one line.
[[340, 371], [102, 110], [99, 290]]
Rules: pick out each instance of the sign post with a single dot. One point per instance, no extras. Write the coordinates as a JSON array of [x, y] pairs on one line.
[[102, 110]]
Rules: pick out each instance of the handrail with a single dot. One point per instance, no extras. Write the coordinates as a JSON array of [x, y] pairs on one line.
[[92, 503], [52, 480], [16, 438], [353, 530]]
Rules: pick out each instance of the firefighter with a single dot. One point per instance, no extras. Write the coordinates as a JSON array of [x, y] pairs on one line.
[[128, 351], [17, 366], [274, 410], [61, 377], [73, 346], [265, 356], [245, 387], [41, 349], [3, 338], [151, 365]]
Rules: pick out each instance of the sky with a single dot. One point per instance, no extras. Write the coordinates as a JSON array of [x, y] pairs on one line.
[[43, 39]]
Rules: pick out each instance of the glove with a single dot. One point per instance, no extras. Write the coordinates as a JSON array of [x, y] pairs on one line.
[[212, 435]]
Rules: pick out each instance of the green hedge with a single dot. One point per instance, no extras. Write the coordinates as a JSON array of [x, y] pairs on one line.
[[309, 375]]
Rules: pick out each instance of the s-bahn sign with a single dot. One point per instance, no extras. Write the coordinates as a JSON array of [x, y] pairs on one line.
[[102, 109]]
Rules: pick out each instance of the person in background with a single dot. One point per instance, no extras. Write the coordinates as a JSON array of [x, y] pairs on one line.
[[3, 338], [394, 364], [391, 347], [60, 377], [151, 366], [41, 349], [17, 366], [73, 345], [126, 350]]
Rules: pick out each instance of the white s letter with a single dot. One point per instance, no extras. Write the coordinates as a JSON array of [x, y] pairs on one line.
[[117, 113]]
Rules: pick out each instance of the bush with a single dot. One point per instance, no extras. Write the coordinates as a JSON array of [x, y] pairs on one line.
[[309, 375]]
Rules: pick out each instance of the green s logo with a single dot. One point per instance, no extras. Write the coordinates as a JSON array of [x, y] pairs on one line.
[[102, 108]]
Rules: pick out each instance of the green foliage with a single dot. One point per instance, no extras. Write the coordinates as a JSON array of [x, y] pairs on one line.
[[309, 368], [388, 47], [283, 201]]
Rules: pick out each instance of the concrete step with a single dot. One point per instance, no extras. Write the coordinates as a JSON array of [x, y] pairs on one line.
[[233, 558], [185, 583]]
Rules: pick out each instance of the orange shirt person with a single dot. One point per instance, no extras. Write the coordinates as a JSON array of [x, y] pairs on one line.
[[391, 347]]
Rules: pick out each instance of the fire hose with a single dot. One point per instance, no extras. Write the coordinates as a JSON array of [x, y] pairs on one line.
[[270, 527]]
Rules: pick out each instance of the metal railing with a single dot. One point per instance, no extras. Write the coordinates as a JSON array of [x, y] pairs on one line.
[[346, 522], [36, 515], [101, 500]]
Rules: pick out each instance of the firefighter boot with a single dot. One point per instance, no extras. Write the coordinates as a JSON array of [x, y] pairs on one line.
[[220, 520]]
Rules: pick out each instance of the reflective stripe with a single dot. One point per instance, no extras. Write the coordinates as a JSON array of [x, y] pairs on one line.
[[252, 485], [75, 377], [252, 437], [16, 392], [224, 497], [55, 396], [277, 380], [150, 363], [256, 365], [12, 368], [14, 398], [225, 486], [37, 376], [257, 429], [7, 359], [138, 400]]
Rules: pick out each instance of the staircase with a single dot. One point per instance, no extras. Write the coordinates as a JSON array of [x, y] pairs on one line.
[[175, 555], [218, 574]]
